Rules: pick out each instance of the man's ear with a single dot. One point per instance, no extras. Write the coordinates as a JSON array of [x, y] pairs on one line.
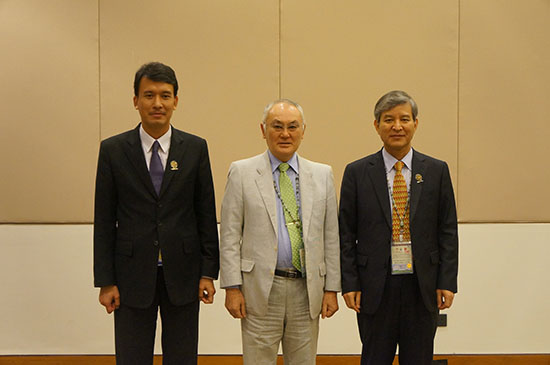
[[262, 127], [376, 125]]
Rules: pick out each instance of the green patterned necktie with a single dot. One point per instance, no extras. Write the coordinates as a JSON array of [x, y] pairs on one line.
[[292, 217]]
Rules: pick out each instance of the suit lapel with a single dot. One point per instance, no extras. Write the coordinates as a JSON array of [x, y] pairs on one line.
[[174, 163], [264, 182], [306, 194], [134, 152], [377, 173], [419, 169]]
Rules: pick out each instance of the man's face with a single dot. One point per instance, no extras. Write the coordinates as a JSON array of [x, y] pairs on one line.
[[155, 103], [396, 128], [283, 130]]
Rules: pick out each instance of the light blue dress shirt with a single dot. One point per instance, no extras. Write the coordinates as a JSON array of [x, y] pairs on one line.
[[406, 171]]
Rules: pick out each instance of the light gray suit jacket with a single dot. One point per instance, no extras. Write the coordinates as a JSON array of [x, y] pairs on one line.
[[248, 245]]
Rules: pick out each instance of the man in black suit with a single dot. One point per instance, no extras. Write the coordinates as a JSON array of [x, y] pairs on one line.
[[399, 251], [155, 233]]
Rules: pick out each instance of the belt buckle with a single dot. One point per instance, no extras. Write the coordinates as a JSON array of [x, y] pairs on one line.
[[292, 274]]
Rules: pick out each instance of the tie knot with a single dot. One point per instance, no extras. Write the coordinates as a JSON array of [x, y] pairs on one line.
[[398, 166], [283, 167], [156, 146]]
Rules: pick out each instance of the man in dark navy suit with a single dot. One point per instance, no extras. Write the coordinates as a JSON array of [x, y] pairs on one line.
[[155, 233], [398, 239]]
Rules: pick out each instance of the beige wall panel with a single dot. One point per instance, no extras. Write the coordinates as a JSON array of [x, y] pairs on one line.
[[50, 118], [339, 57], [225, 54], [504, 130]]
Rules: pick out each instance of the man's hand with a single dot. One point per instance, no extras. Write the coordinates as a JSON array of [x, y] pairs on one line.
[[206, 290], [109, 297], [234, 302], [330, 304], [353, 300], [444, 298]]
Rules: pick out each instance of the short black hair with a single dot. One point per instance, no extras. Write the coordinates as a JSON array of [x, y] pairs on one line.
[[158, 72]]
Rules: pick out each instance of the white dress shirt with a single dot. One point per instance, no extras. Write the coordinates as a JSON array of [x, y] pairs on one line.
[[147, 145]]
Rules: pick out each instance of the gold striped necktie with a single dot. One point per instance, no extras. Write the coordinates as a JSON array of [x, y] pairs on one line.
[[400, 211]]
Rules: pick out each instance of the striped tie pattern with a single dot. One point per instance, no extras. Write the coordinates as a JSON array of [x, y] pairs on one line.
[[400, 209], [292, 217]]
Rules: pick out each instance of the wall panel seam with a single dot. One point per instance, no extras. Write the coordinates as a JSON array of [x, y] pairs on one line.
[[99, 64], [280, 48], [458, 108]]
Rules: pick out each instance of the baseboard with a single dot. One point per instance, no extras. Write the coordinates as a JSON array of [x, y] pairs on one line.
[[524, 359]]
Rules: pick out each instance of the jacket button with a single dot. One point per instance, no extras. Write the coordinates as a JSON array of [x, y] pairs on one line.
[[156, 243]]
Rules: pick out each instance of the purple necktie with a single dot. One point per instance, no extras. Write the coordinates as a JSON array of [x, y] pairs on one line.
[[155, 167]]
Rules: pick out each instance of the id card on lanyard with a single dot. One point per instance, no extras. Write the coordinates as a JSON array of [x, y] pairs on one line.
[[401, 258], [401, 252]]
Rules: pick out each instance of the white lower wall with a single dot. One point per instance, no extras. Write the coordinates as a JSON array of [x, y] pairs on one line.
[[49, 306]]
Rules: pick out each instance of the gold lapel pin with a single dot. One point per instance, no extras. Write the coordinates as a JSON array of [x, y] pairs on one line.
[[173, 165], [418, 178]]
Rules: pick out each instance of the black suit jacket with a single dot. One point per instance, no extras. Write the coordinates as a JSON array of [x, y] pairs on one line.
[[131, 222], [366, 225]]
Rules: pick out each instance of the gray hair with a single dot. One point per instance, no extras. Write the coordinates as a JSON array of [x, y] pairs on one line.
[[270, 106], [393, 99]]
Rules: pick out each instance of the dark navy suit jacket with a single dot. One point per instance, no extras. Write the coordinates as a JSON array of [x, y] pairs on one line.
[[131, 223], [366, 225]]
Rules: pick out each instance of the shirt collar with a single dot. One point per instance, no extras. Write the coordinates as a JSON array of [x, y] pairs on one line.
[[147, 141], [275, 162], [389, 160]]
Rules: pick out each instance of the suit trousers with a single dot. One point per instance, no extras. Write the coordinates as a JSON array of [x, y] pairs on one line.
[[135, 330], [403, 319], [288, 321]]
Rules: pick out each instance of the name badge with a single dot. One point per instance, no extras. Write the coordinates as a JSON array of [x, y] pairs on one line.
[[401, 258]]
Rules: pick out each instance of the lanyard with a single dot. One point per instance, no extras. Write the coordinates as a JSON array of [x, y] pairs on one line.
[[285, 208], [401, 218]]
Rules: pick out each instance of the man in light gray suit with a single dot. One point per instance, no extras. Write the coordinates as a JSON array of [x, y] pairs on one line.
[[280, 262]]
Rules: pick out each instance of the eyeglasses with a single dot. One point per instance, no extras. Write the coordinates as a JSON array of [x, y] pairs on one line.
[[293, 127]]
